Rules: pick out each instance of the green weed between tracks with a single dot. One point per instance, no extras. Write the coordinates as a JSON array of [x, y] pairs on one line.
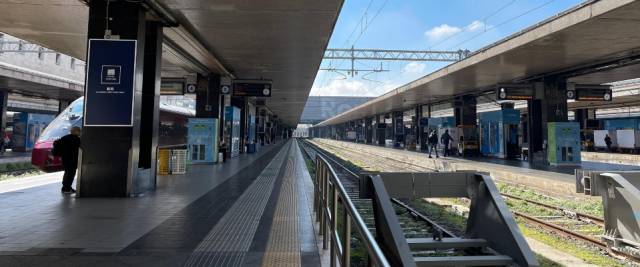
[[587, 206], [587, 254], [457, 223]]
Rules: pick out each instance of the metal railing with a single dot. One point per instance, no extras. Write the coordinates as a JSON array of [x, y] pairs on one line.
[[329, 196]]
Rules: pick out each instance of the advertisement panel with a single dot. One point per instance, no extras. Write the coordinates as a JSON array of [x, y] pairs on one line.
[[110, 83]]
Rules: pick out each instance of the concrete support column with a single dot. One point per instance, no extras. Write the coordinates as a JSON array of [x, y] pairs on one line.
[[261, 125], [112, 164], [208, 96], [464, 109], [398, 129], [425, 133], [361, 131], [583, 115], [4, 97], [548, 105], [225, 101], [382, 137], [150, 108], [417, 127], [465, 113], [241, 103], [554, 102], [368, 122], [534, 127]]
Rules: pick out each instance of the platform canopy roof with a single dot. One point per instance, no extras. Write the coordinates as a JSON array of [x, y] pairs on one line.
[[596, 42], [280, 40]]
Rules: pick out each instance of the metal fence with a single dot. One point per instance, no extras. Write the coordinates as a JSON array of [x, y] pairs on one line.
[[330, 197]]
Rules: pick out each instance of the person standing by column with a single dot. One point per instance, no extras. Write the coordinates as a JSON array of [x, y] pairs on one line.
[[67, 148]]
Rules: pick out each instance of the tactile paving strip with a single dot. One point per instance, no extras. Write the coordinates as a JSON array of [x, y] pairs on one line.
[[228, 242], [283, 247]]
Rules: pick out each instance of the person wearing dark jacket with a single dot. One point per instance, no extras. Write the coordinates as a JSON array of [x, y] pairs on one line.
[[445, 139], [67, 148], [433, 143], [608, 142]]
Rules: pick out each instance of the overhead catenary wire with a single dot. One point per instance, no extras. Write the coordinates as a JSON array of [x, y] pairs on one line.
[[370, 22], [493, 27], [346, 41], [484, 20], [359, 23], [366, 26]]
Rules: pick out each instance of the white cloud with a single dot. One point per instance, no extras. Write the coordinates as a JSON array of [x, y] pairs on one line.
[[352, 87], [414, 68], [476, 25], [442, 31]]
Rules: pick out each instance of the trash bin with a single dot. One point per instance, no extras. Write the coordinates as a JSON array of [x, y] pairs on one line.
[[164, 156], [178, 162]]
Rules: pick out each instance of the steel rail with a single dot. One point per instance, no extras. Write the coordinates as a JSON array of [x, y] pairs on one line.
[[394, 200], [569, 233], [384, 157], [561, 230], [579, 216], [547, 225]]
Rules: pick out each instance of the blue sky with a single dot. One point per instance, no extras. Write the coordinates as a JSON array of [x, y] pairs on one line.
[[421, 25]]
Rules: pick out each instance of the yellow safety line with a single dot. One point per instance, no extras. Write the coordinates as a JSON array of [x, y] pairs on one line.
[[283, 247]]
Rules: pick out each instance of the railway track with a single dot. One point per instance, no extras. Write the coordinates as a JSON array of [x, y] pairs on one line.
[[415, 225], [568, 223]]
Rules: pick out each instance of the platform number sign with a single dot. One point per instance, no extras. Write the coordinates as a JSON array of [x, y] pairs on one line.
[[110, 81]]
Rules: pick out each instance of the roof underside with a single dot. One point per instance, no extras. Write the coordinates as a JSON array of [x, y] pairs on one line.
[[279, 40], [593, 32]]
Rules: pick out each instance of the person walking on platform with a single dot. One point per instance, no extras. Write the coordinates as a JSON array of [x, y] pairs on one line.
[[607, 141], [445, 139], [67, 148], [433, 143]]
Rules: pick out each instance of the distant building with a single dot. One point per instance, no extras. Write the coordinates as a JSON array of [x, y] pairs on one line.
[[320, 108]]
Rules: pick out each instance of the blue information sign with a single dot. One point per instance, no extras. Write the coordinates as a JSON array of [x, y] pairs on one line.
[[110, 83]]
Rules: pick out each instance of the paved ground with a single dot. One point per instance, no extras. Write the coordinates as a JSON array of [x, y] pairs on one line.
[[251, 210]]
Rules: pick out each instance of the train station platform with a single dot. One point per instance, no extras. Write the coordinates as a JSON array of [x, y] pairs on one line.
[[591, 161], [555, 180], [255, 209], [564, 169]]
